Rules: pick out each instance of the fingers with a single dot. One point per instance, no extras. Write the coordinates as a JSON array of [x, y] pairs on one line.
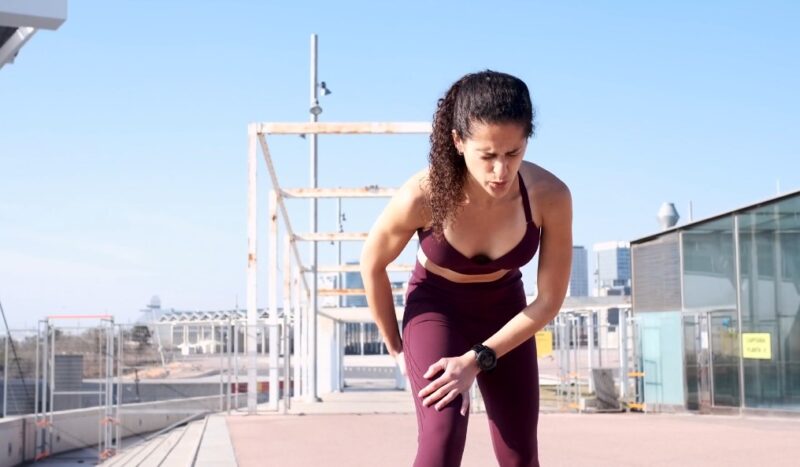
[[447, 399], [465, 403], [435, 368], [437, 395], [401, 363]]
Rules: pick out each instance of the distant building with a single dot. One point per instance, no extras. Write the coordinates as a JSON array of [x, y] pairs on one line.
[[579, 276], [352, 280], [613, 268], [327, 281], [399, 299], [364, 338]]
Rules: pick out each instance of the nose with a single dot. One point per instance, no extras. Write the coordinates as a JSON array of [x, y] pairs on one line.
[[501, 169]]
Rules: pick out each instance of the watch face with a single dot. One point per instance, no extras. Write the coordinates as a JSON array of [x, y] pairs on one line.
[[486, 360]]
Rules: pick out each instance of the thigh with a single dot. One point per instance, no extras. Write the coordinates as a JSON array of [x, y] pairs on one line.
[[427, 337], [511, 396]]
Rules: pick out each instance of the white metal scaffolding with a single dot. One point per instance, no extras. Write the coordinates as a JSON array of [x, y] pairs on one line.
[[300, 305]]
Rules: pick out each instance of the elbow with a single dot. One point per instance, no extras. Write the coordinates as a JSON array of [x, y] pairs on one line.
[[550, 306], [367, 267]]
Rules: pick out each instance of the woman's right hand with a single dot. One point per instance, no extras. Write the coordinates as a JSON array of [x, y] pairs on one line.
[[401, 362]]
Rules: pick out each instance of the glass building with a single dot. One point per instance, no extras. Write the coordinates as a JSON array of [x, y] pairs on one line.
[[579, 275], [717, 307]]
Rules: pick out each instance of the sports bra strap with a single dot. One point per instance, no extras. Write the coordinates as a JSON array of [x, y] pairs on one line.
[[526, 202]]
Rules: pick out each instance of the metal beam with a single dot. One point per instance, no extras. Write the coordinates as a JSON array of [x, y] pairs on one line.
[[252, 235], [372, 191], [338, 292], [393, 267], [343, 128], [272, 321], [355, 314], [331, 236], [276, 186]]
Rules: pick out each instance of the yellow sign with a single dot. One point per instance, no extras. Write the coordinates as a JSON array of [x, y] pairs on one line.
[[757, 345], [544, 343]]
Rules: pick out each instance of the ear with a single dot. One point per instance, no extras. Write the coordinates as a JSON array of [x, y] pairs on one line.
[[459, 143]]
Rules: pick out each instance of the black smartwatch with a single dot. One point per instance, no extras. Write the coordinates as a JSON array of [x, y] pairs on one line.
[[485, 357]]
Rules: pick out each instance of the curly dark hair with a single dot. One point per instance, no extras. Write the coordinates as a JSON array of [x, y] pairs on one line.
[[484, 97]]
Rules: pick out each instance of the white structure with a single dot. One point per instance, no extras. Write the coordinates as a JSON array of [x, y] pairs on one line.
[[20, 19], [613, 268]]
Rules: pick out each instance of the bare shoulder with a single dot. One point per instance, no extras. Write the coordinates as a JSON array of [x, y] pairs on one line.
[[547, 192], [408, 206]]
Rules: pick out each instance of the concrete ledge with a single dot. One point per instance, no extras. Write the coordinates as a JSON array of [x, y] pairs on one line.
[[76, 429], [216, 448]]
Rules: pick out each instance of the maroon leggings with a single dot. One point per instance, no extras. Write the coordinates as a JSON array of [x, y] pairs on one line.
[[445, 319]]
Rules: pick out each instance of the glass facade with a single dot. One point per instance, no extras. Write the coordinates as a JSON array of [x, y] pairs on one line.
[[739, 295], [769, 278], [710, 318]]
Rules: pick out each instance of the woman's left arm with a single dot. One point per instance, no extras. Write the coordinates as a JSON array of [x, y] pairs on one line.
[[555, 262]]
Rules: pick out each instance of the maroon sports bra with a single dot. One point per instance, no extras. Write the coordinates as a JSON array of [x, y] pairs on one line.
[[443, 254]]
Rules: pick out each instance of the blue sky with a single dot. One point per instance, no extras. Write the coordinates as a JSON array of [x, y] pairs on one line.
[[123, 133]]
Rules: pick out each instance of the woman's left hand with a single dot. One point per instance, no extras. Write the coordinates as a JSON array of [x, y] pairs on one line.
[[457, 378]]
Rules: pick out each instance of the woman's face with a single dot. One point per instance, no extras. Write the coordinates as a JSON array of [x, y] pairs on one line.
[[493, 154]]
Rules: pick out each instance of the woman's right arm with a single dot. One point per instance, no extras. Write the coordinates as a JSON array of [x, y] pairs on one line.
[[386, 240]]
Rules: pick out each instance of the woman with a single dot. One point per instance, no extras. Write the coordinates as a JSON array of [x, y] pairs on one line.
[[481, 213]]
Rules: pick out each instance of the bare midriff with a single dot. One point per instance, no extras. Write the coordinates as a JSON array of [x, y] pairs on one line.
[[454, 276]]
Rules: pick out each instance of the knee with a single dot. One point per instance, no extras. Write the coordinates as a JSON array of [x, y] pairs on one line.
[[442, 438], [521, 457]]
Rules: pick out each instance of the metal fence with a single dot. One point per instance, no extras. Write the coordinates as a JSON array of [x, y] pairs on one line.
[[97, 385], [592, 363]]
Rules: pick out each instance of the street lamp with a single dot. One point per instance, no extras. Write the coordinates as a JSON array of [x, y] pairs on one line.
[[314, 110], [324, 89]]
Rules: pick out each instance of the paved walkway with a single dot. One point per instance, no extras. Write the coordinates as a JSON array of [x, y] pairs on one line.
[[378, 428]]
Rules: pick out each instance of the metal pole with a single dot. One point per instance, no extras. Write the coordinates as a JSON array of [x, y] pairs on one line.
[[296, 331], [5, 377], [157, 330], [102, 367], [252, 306], [118, 415], [622, 319], [601, 338], [109, 380], [236, 367], [36, 384], [51, 379], [286, 363], [339, 283], [229, 354], [576, 326], [738, 285], [362, 337], [312, 377], [221, 366], [590, 327], [273, 300], [287, 309], [306, 346], [336, 385]]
